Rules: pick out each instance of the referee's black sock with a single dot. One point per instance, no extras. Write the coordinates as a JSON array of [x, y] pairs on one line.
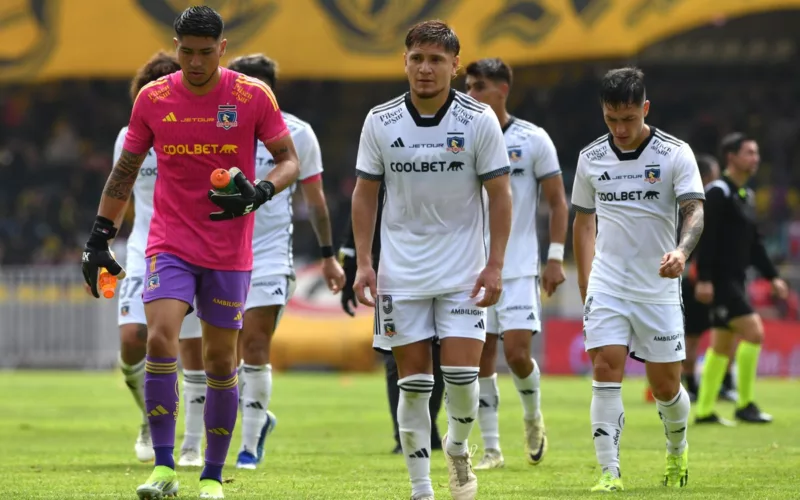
[[690, 383]]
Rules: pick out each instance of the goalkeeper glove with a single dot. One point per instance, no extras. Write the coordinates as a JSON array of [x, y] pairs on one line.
[[249, 198], [96, 254]]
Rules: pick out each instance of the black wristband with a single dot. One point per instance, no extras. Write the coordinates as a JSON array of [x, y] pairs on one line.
[[267, 188], [326, 251], [103, 229]]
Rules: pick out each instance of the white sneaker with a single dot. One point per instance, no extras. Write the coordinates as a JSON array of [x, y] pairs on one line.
[[426, 497], [492, 459], [190, 457], [144, 445], [463, 482], [535, 440]]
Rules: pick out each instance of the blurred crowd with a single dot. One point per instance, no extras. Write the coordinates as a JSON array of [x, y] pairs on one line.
[[56, 142]]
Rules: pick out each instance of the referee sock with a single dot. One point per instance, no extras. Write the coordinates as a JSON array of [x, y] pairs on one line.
[[714, 368], [414, 422], [747, 369]]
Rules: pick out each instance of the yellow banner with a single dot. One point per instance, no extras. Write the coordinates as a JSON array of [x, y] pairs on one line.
[[341, 39]]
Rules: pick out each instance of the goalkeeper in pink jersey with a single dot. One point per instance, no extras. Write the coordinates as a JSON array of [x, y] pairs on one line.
[[199, 248]]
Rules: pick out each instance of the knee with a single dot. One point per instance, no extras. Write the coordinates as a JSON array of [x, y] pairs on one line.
[[256, 341], [665, 389], [133, 336], [162, 342], [519, 360], [755, 334], [219, 358], [608, 370]]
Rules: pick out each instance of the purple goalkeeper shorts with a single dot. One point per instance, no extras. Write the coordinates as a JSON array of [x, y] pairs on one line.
[[219, 295]]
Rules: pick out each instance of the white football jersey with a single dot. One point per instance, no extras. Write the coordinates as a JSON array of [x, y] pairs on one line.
[[532, 157], [635, 195], [142, 207], [272, 234], [433, 216]]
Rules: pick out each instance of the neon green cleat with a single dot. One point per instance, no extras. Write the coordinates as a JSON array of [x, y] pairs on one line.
[[211, 488], [608, 483], [677, 474], [163, 482]]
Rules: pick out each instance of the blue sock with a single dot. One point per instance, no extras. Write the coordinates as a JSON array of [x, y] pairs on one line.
[[211, 471], [164, 456]]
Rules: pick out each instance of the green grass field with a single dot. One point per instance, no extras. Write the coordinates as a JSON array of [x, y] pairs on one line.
[[70, 435]]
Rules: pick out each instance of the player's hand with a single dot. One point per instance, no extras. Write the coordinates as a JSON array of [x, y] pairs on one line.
[[552, 277], [96, 254], [491, 280], [366, 279], [348, 295], [248, 199], [780, 288], [704, 292], [672, 264], [334, 275]]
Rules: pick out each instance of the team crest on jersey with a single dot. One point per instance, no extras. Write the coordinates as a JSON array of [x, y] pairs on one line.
[[652, 175], [153, 282], [455, 143], [515, 154], [226, 116], [124, 310], [389, 330]]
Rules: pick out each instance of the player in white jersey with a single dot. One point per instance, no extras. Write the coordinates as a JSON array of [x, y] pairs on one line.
[[517, 316], [131, 319], [272, 281], [440, 152], [628, 187]]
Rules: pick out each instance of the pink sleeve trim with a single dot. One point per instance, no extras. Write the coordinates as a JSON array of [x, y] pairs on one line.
[[313, 178], [283, 134]]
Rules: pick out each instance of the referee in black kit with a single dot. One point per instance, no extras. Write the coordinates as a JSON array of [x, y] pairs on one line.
[[347, 258], [729, 245]]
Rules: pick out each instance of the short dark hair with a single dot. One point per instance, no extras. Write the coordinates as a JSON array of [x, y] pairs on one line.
[[732, 144], [433, 32], [199, 20], [161, 64], [492, 69], [257, 66], [623, 86], [704, 163]]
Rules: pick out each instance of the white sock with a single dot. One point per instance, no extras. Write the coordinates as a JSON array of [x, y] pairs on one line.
[[488, 404], [414, 422], [675, 415], [608, 419], [528, 389], [134, 379], [461, 386], [257, 389], [194, 402], [239, 370]]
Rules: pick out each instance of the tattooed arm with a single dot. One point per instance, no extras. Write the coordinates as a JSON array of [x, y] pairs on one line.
[[287, 166], [693, 222], [119, 185], [314, 196]]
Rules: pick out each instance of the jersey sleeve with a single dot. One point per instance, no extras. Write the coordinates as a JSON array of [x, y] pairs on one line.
[[118, 145], [270, 125], [583, 194], [546, 163], [491, 155], [309, 154], [369, 163], [139, 138], [687, 182]]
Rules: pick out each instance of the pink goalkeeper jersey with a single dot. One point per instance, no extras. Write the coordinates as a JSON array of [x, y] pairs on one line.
[[192, 136]]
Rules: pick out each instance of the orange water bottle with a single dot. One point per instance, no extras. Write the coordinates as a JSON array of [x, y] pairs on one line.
[[222, 180], [107, 283]]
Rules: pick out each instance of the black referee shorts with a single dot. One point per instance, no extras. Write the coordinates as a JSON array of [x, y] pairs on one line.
[[730, 302], [697, 315]]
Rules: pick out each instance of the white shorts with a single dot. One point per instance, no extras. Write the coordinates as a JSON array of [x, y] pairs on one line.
[[652, 332], [518, 308], [131, 309], [270, 291], [402, 320]]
